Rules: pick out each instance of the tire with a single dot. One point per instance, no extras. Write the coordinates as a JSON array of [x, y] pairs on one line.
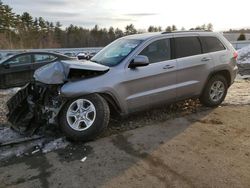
[[83, 124], [207, 98]]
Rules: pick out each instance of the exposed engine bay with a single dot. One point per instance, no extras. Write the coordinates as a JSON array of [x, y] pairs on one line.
[[39, 102]]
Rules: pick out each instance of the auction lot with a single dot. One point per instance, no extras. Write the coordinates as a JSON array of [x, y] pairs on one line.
[[183, 145]]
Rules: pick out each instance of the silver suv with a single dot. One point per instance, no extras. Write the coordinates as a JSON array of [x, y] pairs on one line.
[[132, 73]]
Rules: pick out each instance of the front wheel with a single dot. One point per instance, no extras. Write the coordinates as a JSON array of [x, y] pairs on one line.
[[215, 91], [83, 118]]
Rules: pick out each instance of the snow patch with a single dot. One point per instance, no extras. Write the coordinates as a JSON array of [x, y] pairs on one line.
[[243, 61], [7, 134], [244, 55], [44, 145], [59, 143], [10, 91]]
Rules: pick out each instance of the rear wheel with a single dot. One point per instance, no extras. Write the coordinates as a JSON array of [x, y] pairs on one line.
[[83, 118], [215, 91]]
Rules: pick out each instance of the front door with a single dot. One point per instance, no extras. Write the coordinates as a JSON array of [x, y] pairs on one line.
[[16, 71], [153, 84]]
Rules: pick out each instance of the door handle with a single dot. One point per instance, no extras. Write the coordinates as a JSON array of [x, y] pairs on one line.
[[206, 59], [168, 67]]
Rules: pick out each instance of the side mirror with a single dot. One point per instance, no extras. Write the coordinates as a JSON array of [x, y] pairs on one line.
[[139, 61]]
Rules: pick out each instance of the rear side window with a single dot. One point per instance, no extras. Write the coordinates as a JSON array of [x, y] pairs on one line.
[[187, 46], [211, 44], [43, 58], [158, 51]]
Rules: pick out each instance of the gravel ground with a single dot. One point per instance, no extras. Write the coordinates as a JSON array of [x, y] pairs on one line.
[[238, 93], [210, 148], [4, 97], [3, 111]]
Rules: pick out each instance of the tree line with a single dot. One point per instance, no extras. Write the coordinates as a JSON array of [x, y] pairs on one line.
[[24, 31]]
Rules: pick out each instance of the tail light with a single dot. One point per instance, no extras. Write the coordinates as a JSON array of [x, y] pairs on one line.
[[235, 55]]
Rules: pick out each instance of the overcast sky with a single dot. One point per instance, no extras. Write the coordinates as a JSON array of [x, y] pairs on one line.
[[223, 14]]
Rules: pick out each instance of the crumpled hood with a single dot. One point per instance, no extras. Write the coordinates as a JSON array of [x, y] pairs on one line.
[[57, 72]]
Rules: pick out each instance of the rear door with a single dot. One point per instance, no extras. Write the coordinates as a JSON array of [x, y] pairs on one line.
[[153, 84], [193, 66], [16, 71], [216, 48]]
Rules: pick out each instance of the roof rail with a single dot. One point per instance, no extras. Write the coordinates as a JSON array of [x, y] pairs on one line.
[[186, 31]]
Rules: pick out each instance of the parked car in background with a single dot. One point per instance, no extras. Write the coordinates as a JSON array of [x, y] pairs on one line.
[[17, 70], [70, 54], [82, 55], [92, 54], [131, 74], [11, 54], [86, 55]]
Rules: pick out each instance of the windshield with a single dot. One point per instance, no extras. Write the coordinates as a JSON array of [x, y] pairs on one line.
[[117, 51], [5, 58]]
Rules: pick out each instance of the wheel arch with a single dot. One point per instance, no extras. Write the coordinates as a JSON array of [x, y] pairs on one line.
[[112, 102], [225, 73], [107, 96]]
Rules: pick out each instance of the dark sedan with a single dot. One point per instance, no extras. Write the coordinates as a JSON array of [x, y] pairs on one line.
[[17, 70]]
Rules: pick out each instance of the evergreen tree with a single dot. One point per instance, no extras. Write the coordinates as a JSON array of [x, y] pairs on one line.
[[154, 29], [111, 34], [58, 34], [118, 33], [168, 29], [174, 28], [25, 31], [151, 29], [242, 37], [130, 30]]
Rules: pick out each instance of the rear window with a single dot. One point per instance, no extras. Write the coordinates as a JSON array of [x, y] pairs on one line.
[[211, 44], [187, 46]]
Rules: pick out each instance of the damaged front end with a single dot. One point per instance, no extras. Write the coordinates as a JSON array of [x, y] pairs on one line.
[[34, 105], [38, 103]]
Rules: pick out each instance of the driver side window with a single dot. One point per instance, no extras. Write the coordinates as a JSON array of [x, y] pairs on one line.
[[158, 51], [22, 59]]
